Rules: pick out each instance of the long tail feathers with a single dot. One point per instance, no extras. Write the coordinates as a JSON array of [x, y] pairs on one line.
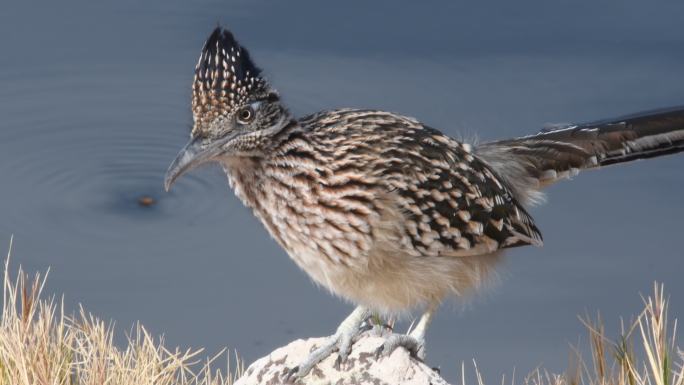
[[558, 153]]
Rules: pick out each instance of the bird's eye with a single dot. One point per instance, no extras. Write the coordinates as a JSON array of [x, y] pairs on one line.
[[245, 115]]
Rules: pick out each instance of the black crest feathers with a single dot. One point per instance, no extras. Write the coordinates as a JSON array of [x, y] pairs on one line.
[[225, 78]]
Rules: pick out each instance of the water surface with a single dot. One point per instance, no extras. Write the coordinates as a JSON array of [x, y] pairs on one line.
[[95, 104]]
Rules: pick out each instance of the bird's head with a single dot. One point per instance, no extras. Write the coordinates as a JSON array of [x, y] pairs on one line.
[[235, 111]]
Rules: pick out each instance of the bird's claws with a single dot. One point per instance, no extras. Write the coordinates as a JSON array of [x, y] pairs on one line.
[[291, 375], [341, 360], [379, 352], [411, 344]]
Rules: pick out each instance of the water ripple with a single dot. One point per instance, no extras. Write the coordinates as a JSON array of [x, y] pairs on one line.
[[86, 177]]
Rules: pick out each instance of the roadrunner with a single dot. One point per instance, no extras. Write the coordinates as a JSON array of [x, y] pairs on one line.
[[379, 208]]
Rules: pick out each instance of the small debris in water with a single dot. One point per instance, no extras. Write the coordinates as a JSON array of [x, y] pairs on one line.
[[146, 201]]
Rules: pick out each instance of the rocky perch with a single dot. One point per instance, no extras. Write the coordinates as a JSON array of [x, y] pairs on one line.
[[361, 367]]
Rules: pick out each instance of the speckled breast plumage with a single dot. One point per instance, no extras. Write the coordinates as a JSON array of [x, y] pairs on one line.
[[347, 187]]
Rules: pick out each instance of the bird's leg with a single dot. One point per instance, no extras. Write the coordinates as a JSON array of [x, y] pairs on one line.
[[414, 342], [340, 341]]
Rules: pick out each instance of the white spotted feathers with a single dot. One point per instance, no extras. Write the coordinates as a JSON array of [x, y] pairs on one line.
[[225, 79]]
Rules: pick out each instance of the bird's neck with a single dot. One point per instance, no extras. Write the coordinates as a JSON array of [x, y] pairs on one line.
[[280, 139], [247, 174], [243, 174], [263, 183]]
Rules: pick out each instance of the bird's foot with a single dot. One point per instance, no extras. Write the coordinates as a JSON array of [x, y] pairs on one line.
[[341, 341], [414, 344], [414, 341]]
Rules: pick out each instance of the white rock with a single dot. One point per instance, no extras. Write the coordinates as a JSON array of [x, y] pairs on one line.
[[361, 367]]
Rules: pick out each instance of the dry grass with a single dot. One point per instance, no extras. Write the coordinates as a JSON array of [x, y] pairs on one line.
[[644, 354], [40, 344]]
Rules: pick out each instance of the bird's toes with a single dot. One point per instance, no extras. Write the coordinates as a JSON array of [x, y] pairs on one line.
[[291, 375], [379, 351], [344, 346], [413, 345], [340, 361]]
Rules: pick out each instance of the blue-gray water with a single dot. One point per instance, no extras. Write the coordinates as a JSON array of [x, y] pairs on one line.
[[94, 104]]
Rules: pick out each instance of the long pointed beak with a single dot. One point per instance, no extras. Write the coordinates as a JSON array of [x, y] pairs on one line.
[[192, 155]]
